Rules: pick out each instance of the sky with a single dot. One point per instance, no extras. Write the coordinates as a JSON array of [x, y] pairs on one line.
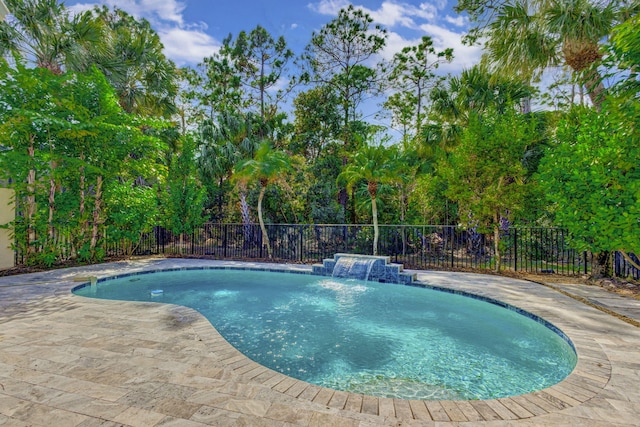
[[194, 29], [191, 30]]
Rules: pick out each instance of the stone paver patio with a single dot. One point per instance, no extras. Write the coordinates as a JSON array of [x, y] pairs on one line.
[[66, 360]]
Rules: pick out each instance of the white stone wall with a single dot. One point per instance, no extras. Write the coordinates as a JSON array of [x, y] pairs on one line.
[[7, 214]]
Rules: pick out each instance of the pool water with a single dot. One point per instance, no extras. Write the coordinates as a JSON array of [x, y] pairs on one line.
[[373, 338]]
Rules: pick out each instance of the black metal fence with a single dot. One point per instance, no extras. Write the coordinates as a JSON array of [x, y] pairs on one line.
[[526, 249]]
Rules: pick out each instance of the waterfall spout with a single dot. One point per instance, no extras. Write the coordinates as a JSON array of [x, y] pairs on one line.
[[364, 267], [353, 267]]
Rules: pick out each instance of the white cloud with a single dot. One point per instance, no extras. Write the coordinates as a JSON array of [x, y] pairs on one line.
[[167, 10], [438, 4], [328, 7], [395, 43], [185, 43], [407, 23], [464, 56], [390, 13], [81, 7], [153, 10], [458, 21], [186, 46], [425, 21]]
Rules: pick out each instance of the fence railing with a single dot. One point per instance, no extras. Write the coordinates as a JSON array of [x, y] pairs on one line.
[[526, 249]]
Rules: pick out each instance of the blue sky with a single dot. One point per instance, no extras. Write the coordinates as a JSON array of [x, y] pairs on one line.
[[193, 29]]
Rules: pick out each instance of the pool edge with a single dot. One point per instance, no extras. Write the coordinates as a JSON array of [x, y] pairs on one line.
[[560, 396]]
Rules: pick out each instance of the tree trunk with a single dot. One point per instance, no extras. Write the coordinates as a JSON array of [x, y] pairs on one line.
[[220, 197], [31, 201], [343, 195], [81, 209], [496, 241], [354, 217], [601, 265], [595, 88], [403, 209], [52, 203], [583, 56], [376, 232], [246, 220], [419, 111], [265, 236], [627, 258], [96, 218]]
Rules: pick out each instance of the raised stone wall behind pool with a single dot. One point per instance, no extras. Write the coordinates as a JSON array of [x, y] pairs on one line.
[[7, 214], [382, 269]]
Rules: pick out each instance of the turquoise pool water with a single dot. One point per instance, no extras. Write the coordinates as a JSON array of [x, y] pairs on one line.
[[364, 337]]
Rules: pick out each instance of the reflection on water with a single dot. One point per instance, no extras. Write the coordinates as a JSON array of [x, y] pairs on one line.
[[365, 337]]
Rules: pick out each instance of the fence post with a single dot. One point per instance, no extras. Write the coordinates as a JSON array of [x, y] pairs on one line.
[[344, 238], [515, 249], [452, 249], [300, 227], [584, 255], [395, 244], [224, 240]]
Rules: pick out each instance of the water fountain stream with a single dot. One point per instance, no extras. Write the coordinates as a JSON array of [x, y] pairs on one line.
[[353, 267], [364, 267]]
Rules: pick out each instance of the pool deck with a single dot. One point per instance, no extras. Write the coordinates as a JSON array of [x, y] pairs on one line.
[[66, 360]]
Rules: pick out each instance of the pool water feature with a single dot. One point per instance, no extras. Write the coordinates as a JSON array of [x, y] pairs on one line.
[[364, 267], [353, 267], [373, 338]]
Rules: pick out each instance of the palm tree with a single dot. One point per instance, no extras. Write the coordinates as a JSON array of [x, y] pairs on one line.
[[3, 10], [475, 90], [372, 164], [126, 50], [267, 166], [223, 146], [528, 36], [45, 32], [144, 79]]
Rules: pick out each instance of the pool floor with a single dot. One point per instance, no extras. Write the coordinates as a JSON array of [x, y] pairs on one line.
[[67, 360], [379, 339]]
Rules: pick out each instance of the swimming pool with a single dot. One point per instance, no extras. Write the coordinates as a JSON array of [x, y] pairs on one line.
[[364, 337]]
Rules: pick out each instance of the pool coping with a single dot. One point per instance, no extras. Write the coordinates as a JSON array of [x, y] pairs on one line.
[[569, 400]]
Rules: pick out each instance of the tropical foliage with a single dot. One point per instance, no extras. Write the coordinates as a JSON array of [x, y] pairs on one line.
[[592, 177], [486, 175], [66, 142], [266, 167], [371, 165], [103, 138]]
